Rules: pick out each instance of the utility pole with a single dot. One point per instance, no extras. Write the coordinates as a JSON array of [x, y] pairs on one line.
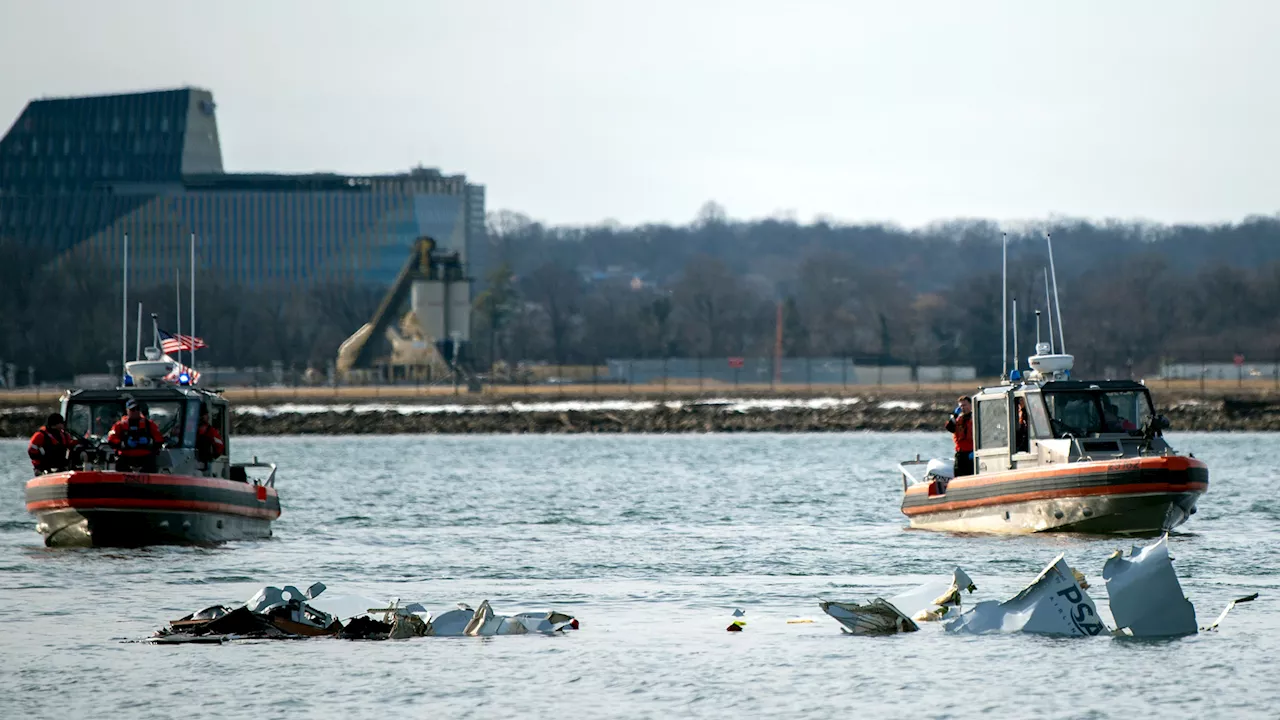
[[777, 349]]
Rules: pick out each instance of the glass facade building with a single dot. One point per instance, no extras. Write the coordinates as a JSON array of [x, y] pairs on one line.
[[78, 174]]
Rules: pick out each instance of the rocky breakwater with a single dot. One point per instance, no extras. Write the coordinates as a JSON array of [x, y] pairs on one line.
[[654, 416], [668, 417]]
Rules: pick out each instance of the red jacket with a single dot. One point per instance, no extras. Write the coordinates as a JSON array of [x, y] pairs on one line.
[[209, 443], [138, 439], [962, 432], [48, 448]]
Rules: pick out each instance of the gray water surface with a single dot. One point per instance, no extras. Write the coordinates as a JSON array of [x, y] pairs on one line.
[[651, 541]]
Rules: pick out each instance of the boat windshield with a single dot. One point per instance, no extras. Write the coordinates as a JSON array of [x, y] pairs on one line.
[[1094, 412], [94, 419]]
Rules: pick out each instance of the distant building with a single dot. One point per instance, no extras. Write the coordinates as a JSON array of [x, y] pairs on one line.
[[77, 174]]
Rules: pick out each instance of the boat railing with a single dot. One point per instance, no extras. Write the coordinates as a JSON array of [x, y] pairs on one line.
[[909, 478], [271, 477]]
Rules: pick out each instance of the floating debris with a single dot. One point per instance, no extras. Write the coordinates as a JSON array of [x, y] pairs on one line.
[[275, 613], [1054, 604], [1245, 599], [900, 613], [1146, 598], [738, 625], [877, 617]]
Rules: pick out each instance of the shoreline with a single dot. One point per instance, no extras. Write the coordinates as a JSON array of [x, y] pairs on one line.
[[895, 412]]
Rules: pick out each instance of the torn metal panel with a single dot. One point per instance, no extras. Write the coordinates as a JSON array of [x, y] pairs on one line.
[[452, 623], [933, 599], [1146, 598], [900, 613], [1054, 604], [877, 617]]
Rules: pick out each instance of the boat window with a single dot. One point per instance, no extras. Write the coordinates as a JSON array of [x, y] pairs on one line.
[[1073, 413], [1125, 411], [993, 424], [1039, 418], [94, 419], [167, 415]]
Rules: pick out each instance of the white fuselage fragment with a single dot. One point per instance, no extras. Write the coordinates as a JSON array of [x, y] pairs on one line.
[[1054, 604], [1146, 598]]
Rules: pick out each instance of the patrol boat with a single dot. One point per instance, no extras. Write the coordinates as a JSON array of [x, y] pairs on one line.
[[1056, 454], [184, 502], [1092, 458]]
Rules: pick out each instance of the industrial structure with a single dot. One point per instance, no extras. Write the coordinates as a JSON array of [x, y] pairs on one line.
[[433, 335], [78, 174]]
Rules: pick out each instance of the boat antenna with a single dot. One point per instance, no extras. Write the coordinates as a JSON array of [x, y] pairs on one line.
[[1048, 309], [1037, 330], [137, 336], [1015, 333], [124, 311], [1004, 303], [155, 331], [193, 301], [1062, 343], [177, 291]]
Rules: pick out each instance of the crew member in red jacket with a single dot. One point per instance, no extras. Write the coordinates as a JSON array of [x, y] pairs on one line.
[[50, 448], [136, 439], [209, 443], [960, 425]]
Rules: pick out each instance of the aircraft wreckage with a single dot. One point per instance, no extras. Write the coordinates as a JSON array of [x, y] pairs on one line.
[[1145, 597], [288, 613]]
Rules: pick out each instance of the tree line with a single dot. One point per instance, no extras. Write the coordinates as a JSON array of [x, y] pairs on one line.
[[1132, 295]]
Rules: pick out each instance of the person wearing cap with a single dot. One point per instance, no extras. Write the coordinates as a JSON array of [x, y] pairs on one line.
[[136, 440], [209, 443], [50, 448]]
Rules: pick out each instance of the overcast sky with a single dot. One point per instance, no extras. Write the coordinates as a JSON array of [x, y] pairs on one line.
[[577, 112]]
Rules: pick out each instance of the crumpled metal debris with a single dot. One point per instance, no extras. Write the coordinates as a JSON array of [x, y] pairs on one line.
[[1146, 598], [900, 613], [1054, 604], [289, 613], [1143, 591]]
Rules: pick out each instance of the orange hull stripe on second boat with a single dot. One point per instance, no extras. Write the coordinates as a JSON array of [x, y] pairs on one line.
[[1129, 489], [1080, 468]]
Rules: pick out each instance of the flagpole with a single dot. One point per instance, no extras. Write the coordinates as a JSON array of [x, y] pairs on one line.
[[193, 302]]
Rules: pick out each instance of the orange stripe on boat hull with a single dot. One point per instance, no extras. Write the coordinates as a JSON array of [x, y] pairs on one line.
[[91, 477], [150, 504], [1173, 463], [1128, 489]]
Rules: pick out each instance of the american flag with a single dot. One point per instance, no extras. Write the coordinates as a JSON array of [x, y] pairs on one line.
[[171, 343], [178, 368]]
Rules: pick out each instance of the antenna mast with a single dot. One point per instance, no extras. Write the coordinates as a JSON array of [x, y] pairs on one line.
[[193, 301], [1015, 333], [1048, 309], [1062, 343], [124, 311], [177, 292], [1004, 303]]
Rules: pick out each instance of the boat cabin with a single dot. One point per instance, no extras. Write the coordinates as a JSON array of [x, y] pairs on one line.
[[1061, 421], [174, 409]]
